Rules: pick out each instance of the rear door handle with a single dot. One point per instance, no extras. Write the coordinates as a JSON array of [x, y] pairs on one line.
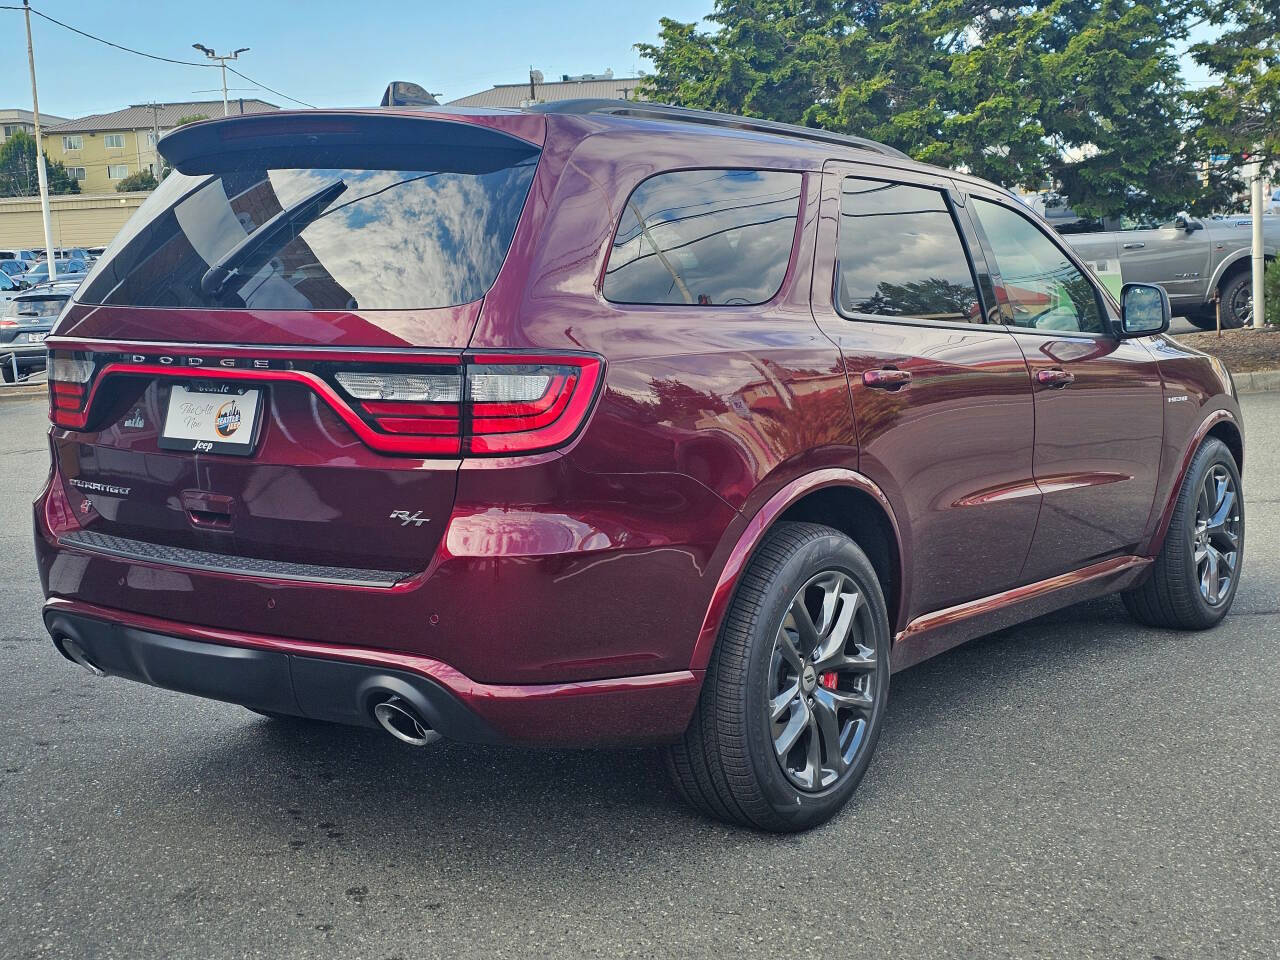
[[1054, 377], [1136, 245], [888, 379]]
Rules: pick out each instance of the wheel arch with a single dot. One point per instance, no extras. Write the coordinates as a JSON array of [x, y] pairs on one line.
[[837, 497], [1221, 425], [1236, 263]]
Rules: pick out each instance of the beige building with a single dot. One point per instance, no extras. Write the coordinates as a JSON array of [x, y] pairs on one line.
[[13, 119], [77, 220], [101, 150], [600, 86]]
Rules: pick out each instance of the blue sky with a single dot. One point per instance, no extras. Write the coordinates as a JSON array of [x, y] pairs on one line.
[[327, 53]]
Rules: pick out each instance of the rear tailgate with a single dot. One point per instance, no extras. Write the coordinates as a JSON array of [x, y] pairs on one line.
[[262, 375]]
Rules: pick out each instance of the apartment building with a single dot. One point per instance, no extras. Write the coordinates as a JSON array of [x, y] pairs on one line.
[[105, 148], [13, 119]]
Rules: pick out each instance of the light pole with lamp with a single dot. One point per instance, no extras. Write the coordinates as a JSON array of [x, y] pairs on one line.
[[222, 62]]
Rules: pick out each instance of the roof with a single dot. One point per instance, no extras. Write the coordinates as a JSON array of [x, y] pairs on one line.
[[18, 115], [648, 110], [516, 94], [140, 117]]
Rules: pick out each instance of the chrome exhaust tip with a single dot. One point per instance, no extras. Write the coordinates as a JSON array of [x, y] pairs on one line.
[[401, 721], [77, 655]]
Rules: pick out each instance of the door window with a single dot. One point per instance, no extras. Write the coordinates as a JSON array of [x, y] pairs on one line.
[[1041, 288], [901, 254]]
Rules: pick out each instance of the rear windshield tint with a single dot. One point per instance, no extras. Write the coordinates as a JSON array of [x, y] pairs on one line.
[[708, 237], [288, 229]]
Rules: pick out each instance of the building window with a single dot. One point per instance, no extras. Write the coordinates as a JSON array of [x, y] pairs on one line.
[[73, 143], [76, 173], [115, 140], [151, 138], [117, 171], [11, 129]]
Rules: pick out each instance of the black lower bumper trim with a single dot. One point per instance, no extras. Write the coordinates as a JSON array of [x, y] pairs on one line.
[[267, 680]]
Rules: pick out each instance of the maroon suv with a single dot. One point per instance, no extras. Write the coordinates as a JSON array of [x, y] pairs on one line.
[[603, 423]]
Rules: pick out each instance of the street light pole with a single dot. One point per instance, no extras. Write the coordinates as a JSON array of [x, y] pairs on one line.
[[40, 174], [222, 62]]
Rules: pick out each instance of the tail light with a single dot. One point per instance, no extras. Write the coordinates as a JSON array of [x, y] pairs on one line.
[[70, 375], [474, 405], [496, 405]]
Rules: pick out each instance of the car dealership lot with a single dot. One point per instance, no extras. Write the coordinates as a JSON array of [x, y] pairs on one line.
[[1076, 786]]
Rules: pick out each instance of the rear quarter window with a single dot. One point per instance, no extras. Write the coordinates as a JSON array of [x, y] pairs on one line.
[[704, 237]]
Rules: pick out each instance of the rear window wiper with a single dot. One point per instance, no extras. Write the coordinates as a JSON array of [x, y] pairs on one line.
[[247, 257]]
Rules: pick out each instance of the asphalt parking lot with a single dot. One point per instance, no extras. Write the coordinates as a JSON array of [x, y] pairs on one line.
[[1074, 787]]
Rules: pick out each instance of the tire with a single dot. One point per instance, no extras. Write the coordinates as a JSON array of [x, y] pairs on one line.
[[727, 764], [1236, 294], [1180, 592], [6, 370]]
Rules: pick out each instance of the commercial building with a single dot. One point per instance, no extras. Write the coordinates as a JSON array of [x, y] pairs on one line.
[[105, 148], [13, 119]]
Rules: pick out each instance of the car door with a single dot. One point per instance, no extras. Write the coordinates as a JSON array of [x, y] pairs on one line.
[[1099, 403], [1175, 257], [942, 397]]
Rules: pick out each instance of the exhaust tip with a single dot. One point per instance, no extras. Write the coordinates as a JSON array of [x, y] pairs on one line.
[[400, 720], [76, 654]]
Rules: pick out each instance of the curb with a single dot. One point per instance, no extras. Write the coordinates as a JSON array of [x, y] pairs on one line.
[[1260, 381], [24, 392]]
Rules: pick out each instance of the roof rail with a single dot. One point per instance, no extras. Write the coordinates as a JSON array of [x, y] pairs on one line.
[[645, 110]]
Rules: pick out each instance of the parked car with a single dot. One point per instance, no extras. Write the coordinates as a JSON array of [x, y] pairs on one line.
[[13, 269], [597, 423], [25, 322], [1196, 261], [39, 273], [9, 288]]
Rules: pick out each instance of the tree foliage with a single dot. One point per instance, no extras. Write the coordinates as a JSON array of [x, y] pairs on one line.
[[18, 174], [1241, 112], [1083, 93], [143, 180]]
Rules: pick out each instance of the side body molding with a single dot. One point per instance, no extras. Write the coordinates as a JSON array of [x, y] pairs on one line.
[[754, 533]]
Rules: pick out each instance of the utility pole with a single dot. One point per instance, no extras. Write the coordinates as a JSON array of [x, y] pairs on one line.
[[533, 96], [222, 59], [1259, 260], [44, 181], [155, 141]]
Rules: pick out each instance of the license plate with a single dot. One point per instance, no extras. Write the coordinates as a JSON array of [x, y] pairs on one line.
[[211, 418], [36, 337]]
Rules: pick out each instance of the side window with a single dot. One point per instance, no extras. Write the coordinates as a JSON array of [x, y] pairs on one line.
[[709, 237], [1042, 288], [901, 255]]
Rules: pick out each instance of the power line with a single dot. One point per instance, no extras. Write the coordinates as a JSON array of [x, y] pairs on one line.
[[149, 56], [259, 83], [152, 56]]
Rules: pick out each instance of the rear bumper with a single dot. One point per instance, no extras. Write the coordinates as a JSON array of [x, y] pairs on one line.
[[341, 684]]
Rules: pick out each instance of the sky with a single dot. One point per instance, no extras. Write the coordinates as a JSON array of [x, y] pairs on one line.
[[322, 52]]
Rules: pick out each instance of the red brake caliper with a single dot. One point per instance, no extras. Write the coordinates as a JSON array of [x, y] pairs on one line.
[[828, 680]]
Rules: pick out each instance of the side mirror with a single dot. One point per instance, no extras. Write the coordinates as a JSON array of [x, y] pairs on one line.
[[1183, 221], [1144, 310]]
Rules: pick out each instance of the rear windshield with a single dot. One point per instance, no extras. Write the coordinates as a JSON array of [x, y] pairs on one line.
[[291, 230]]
